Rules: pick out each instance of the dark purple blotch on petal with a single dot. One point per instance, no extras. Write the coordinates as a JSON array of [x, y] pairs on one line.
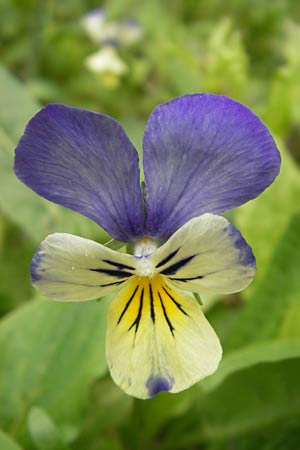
[[156, 384], [246, 256], [35, 265]]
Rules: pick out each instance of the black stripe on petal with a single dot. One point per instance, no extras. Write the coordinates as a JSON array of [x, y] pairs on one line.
[[152, 311], [118, 265], [127, 305], [166, 315], [113, 273], [175, 302], [167, 258], [171, 270], [115, 283], [139, 314], [184, 280]]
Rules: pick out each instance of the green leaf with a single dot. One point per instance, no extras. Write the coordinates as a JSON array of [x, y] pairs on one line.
[[153, 415], [14, 248], [109, 409], [198, 298], [264, 220], [289, 328], [43, 431], [50, 353], [17, 106], [250, 400], [6, 443], [249, 403], [264, 312], [261, 352]]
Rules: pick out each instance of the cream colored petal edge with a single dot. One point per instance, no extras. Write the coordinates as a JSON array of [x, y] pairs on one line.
[[207, 254], [156, 344], [70, 268]]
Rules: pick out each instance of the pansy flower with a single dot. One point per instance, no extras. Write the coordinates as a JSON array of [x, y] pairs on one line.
[[202, 155]]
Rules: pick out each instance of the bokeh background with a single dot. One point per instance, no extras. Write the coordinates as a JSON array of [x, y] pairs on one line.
[[123, 60]]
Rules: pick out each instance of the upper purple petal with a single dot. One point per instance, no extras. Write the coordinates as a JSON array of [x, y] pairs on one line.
[[203, 153], [84, 161]]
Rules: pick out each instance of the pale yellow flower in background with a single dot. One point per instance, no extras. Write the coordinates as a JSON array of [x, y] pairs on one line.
[[108, 65]]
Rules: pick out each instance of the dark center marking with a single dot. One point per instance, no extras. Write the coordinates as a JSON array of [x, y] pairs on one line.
[[167, 258], [165, 314], [139, 314], [115, 283], [184, 280], [118, 265], [175, 302], [152, 311], [127, 305], [171, 270], [113, 273]]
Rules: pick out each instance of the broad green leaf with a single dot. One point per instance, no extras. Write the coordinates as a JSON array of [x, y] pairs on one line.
[[50, 353], [251, 400], [44, 432], [260, 352], [17, 106], [36, 216], [264, 220], [6, 443], [287, 439], [154, 414], [109, 409], [280, 437], [290, 328], [264, 312], [14, 247]]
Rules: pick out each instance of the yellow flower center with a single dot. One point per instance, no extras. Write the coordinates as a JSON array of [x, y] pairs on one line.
[[149, 297]]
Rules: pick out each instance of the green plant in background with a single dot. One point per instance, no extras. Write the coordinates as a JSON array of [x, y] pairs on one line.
[[51, 355]]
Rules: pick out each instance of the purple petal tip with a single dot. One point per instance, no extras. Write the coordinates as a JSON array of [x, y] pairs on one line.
[[246, 256], [156, 384]]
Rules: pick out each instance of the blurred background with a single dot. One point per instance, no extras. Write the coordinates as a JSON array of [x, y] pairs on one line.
[[124, 57]]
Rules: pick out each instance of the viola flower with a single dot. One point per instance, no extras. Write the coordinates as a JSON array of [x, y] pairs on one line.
[[108, 65], [203, 155]]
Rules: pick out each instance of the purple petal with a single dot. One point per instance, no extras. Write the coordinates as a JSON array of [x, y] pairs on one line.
[[203, 153], [84, 161]]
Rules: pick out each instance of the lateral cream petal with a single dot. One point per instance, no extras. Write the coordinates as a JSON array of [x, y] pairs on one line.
[[207, 254], [70, 268]]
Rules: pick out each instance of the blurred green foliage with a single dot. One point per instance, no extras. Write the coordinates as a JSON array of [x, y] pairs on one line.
[[55, 393]]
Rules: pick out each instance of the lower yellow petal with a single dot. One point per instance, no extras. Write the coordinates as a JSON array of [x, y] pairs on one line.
[[158, 339]]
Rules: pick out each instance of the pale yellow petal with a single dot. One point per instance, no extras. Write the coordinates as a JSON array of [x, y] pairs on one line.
[[158, 339], [71, 268], [206, 255]]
